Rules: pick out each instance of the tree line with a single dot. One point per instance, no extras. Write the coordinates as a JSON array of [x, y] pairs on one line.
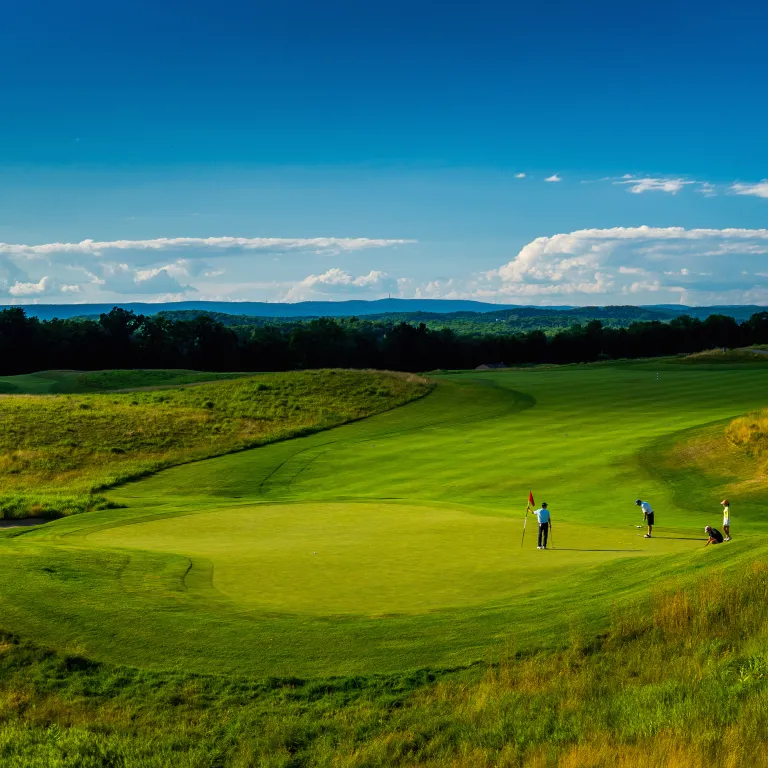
[[123, 339]]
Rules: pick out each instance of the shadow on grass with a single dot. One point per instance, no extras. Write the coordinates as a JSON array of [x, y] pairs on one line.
[[576, 549], [681, 538]]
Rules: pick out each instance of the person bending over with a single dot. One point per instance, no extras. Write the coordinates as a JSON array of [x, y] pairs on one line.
[[715, 537], [647, 516]]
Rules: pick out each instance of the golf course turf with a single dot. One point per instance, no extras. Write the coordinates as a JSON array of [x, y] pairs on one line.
[[394, 543]]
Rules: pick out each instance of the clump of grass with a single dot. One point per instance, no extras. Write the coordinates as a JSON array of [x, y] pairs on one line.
[[680, 681], [750, 432], [719, 356], [58, 452]]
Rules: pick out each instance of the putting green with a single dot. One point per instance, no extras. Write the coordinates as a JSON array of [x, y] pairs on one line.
[[366, 558], [415, 516]]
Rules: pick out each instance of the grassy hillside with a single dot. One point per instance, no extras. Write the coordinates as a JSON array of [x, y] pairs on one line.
[[57, 452], [72, 382], [683, 682], [720, 357]]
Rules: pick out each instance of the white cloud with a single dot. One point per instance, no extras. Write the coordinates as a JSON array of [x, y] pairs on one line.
[[639, 265], [43, 286], [519, 175], [553, 177], [639, 185], [331, 245], [336, 281], [760, 189], [105, 270]]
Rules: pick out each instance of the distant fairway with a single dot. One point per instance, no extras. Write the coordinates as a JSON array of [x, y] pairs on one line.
[[394, 542]]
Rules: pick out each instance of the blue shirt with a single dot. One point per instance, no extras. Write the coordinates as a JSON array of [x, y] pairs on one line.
[[542, 515]]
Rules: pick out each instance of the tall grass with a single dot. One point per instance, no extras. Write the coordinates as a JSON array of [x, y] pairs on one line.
[[750, 432], [57, 452], [682, 683]]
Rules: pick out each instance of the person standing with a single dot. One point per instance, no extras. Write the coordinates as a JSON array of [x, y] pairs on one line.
[[545, 523], [647, 516], [726, 518]]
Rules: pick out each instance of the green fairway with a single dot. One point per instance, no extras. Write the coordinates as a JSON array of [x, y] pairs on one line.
[[394, 542]]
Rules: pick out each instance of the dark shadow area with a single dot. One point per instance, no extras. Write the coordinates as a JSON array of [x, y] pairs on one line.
[[23, 522]]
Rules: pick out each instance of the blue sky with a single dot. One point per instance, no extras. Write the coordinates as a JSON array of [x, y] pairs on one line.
[[547, 153]]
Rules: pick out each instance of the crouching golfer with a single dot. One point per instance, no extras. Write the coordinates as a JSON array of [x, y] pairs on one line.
[[545, 523], [715, 537], [647, 516]]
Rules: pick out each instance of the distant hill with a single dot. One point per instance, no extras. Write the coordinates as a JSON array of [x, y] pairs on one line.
[[267, 309], [433, 312], [739, 312]]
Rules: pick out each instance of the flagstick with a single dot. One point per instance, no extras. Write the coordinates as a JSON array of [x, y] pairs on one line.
[[525, 524]]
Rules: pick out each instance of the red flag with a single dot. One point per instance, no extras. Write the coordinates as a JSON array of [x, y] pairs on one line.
[[531, 502]]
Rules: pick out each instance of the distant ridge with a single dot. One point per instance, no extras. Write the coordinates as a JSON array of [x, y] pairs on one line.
[[268, 309], [361, 308]]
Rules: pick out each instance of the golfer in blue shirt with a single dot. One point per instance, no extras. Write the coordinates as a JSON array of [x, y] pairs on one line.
[[545, 523]]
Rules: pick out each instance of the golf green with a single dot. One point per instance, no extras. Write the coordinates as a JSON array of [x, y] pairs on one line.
[[366, 558], [395, 542]]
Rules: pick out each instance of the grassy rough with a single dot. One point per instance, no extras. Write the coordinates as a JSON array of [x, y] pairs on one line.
[[79, 382], [718, 357], [684, 683], [58, 452], [750, 433]]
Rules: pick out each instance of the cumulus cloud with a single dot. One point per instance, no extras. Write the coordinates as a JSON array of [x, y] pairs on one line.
[[43, 286], [337, 282], [686, 264], [553, 177], [638, 265], [760, 189], [639, 185], [519, 175]]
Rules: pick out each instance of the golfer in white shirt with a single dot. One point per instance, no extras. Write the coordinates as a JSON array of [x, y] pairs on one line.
[[647, 516]]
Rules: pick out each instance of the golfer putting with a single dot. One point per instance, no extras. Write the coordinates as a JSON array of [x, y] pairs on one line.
[[648, 517]]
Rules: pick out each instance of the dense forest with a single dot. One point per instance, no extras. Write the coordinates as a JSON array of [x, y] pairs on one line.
[[500, 322], [123, 339]]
